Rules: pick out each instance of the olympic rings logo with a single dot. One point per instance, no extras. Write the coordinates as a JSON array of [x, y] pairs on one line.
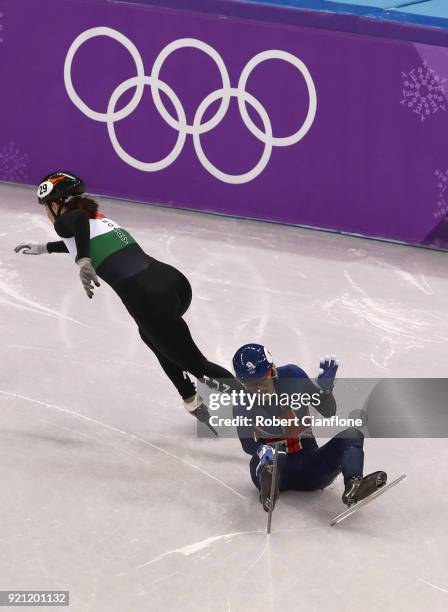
[[179, 123]]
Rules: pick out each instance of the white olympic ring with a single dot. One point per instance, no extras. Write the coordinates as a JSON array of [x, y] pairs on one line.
[[118, 36], [262, 163], [182, 126], [184, 43], [196, 129]]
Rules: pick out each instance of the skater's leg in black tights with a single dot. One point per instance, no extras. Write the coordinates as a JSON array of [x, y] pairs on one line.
[[156, 299], [172, 339], [178, 377]]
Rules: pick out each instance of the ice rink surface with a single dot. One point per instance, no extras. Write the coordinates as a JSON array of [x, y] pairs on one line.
[[108, 493]]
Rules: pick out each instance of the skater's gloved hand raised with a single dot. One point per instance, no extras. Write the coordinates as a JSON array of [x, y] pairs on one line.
[[87, 275], [327, 373], [31, 248]]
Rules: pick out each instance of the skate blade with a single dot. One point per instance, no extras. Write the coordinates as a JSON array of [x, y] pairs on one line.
[[212, 430], [354, 507], [266, 486], [205, 426]]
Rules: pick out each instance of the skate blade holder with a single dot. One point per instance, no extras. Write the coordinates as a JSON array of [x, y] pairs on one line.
[[275, 475]]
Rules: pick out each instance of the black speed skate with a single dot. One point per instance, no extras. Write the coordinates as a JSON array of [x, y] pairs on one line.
[[203, 416], [358, 488], [266, 485], [196, 407]]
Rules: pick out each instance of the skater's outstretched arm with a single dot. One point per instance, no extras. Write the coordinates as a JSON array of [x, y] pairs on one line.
[[39, 248], [75, 224], [328, 368], [327, 404], [57, 247], [32, 248]]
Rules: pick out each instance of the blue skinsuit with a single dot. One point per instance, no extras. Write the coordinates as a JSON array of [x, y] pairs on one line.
[[305, 467]]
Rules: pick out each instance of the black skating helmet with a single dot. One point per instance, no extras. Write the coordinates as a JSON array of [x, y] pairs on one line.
[[58, 186]]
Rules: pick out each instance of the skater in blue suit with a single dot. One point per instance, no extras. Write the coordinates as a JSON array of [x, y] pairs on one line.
[[303, 466]]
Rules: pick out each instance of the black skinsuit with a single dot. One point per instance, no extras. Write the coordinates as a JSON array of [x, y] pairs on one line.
[[155, 294]]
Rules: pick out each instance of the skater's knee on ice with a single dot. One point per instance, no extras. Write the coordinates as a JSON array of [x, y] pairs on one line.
[[352, 436], [352, 432]]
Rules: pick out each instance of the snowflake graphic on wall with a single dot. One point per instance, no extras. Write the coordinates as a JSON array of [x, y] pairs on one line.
[[442, 186], [423, 91], [13, 163]]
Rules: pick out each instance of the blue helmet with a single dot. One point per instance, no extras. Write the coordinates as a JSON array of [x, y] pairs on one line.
[[252, 361]]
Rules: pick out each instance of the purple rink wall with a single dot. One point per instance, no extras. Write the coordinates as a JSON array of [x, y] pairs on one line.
[[301, 124]]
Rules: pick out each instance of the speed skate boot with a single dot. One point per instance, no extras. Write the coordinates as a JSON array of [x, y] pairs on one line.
[[358, 488], [198, 409], [266, 484]]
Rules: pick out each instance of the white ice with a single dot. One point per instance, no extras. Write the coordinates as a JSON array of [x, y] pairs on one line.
[[108, 493]]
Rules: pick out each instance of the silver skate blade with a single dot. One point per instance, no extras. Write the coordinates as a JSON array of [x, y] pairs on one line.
[[273, 487], [340, 517]]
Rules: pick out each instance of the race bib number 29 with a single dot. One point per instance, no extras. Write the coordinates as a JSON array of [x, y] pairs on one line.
[[44, 189]]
